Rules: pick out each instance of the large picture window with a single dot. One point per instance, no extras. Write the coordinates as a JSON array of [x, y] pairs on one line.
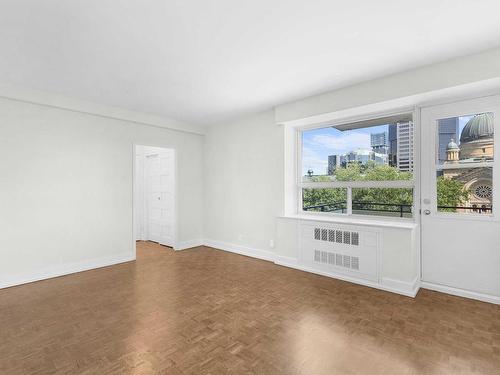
[[361, 168]]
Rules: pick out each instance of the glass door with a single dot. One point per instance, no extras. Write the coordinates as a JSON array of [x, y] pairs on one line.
[[460, 227]]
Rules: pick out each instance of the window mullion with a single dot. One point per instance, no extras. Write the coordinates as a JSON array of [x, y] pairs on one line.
[[358, 184], [349, 201]]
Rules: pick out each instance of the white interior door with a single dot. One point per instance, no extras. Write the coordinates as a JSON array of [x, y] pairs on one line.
[[460, 195], [160, 196]]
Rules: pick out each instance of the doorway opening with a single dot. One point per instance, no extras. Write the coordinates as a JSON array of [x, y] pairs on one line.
[[155, 195]]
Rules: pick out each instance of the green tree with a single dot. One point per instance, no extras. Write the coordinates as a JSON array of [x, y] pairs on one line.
[[330, 199], [361, 197], [370, 172], [352, 172], [385, 173], [336, 198], [450, 193]]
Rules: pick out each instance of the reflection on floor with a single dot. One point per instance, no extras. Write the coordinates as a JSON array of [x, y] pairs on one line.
[[206, 311]]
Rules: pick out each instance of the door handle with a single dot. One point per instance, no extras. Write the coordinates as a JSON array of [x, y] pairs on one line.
[[427, 212]]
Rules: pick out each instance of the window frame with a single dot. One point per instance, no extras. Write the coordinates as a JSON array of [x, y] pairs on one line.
[[349, 185], [475, 109]]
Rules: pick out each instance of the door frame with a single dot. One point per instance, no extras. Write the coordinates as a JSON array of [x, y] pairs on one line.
[[175, 190], [473, 104]]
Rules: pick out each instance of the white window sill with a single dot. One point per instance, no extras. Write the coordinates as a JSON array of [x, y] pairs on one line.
[[355, 221]]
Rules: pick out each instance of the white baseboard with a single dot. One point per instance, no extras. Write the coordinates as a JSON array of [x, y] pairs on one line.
[[65, 269], [461, 292], [286, 261], [242, 250], [183, 245], [410, 288]]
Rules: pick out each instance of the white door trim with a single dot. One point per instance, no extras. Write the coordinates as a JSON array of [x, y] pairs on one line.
[[175, 190]]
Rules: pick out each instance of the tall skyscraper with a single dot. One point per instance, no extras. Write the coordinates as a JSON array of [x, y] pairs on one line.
[[447, 130], [401, 146], [393, 145], [333, 163], [405, 146], [379, 142]]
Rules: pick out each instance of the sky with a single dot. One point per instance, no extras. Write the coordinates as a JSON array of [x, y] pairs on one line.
[[318, 144], [462, 121]]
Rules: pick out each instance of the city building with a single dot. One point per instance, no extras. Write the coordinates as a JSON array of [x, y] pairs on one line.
[[333, 163], [361, 156], [447, 131], [379, 142], [401, 147], [393, 145], [476, 149]]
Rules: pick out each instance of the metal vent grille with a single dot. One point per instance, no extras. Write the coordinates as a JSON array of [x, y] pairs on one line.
[[339, 236], [347, 261], [355, 263], [331, 235], [347, 237], [324, 234], [317, 256], [355, 238], [338, 259], [317, 232], [335, 259]]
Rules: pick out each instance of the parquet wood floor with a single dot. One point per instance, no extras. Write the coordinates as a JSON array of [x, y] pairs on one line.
[[205, 311]]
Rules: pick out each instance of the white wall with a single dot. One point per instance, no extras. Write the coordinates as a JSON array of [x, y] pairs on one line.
[[459, 71], [66, 189], [243, 174]]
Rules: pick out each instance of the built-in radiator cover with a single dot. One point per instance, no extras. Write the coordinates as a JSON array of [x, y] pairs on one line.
[[340, 248]]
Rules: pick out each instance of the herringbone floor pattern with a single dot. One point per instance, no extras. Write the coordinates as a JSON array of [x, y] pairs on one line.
[[205, 311]]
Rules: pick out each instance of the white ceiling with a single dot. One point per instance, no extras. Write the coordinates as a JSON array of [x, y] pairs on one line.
[[205, 61]]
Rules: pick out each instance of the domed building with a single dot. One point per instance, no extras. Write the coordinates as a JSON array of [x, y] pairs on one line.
[[452, 152], [466, 163], [476, 139]]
